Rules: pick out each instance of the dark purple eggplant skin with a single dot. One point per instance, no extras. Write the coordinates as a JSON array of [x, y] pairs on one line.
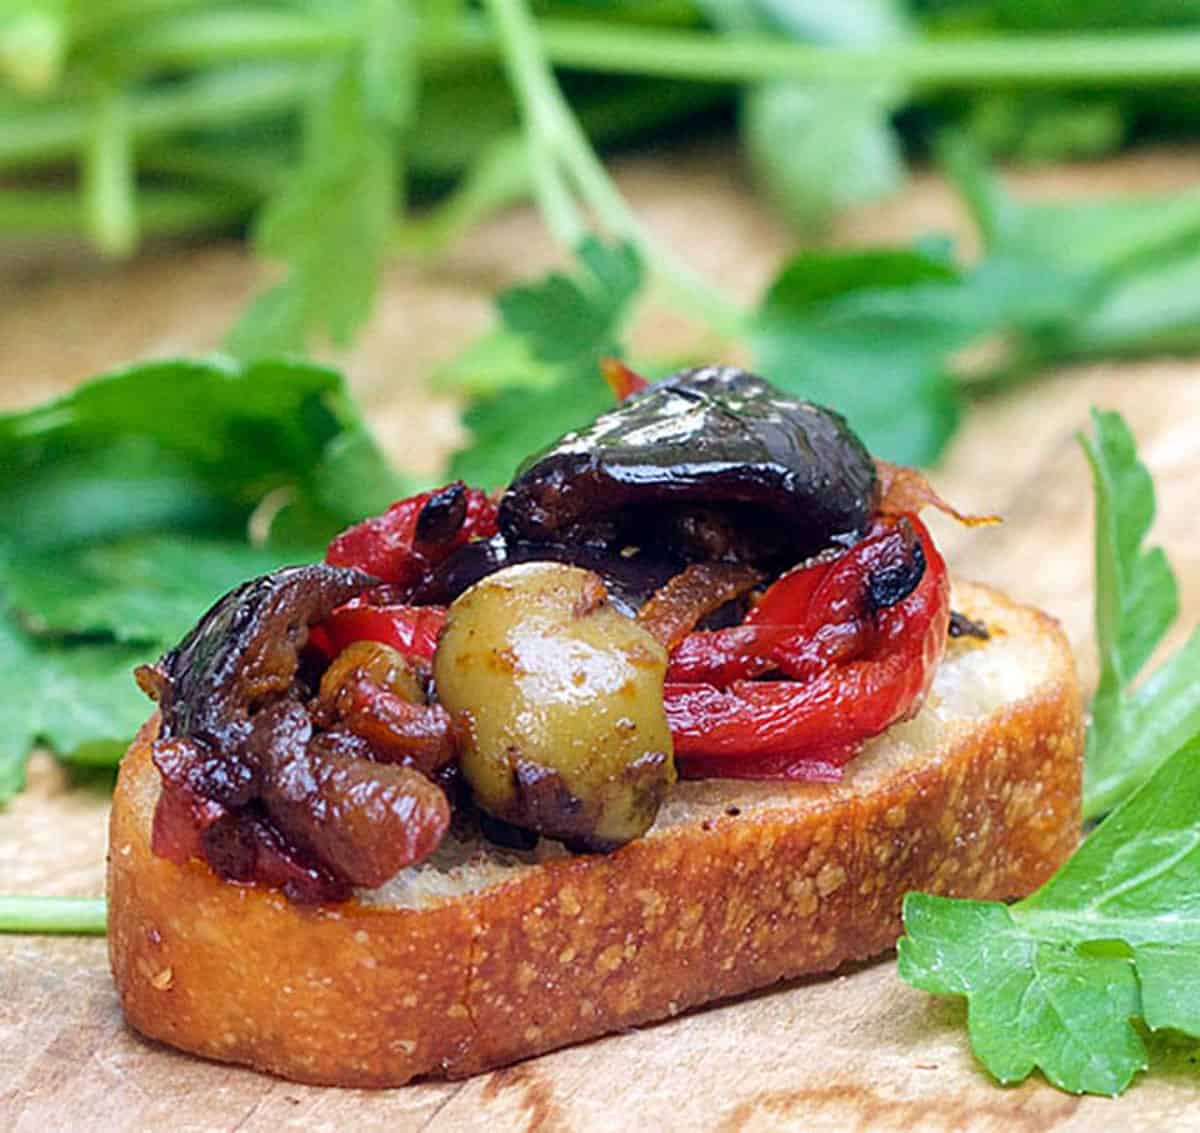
[[775, 478], [246, 650]]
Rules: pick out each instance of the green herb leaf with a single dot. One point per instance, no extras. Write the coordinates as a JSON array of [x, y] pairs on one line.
[[564, 317], [816, 148], [507, 427], [140, 589], [1055, 980], [332, 221], [1084, 277], [494, 361], [126, 509], [1033, 1002], [1041, 126], [78, 698], [1136, 603], [195, 446], [868, 333], [565, 324]]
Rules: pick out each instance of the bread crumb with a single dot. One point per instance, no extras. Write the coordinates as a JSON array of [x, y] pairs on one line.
[[610, 959], [830, 879], [162, 980], [803, 895], [568, 902]]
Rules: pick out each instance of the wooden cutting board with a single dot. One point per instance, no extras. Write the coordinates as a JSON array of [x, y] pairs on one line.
[[856, 1051]]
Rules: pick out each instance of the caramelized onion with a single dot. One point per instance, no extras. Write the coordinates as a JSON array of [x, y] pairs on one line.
[[905, 489], [675, 609]]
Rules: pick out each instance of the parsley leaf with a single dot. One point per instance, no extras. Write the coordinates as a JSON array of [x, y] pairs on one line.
[[1082, 278], [188, 446], [76, 697], [868, 333], [125, 510], [1136, 603], [817, 147], [566, 324], [332, 220], [145, 588], [1055, 980]]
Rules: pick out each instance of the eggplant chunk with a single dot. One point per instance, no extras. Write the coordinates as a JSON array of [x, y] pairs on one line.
[[364, 820], [558, 701], [244, 652], [710, 464]]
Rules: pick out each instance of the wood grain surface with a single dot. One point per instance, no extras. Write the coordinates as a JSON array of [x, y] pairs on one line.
[[856, 1051]]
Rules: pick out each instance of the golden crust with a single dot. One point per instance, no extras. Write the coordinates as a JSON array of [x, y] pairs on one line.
[[372, 995]]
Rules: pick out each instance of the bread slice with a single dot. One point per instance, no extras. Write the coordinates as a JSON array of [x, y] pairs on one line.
[[482, 956]]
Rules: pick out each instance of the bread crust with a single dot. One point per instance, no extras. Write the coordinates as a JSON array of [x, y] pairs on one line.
[[369, 995]]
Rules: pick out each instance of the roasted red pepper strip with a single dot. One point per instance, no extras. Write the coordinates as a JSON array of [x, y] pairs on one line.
[[415, 534], [807, 728], [412, 630], [623, 381], [812, 617]]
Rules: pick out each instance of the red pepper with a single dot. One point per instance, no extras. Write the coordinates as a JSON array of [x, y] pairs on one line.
[[415, 534], [858, 642], [623, 381], [861, 662], [413, 630], [812, 617]]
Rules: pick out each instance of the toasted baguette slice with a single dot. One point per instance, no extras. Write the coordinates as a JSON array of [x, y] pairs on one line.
[[482, 957]]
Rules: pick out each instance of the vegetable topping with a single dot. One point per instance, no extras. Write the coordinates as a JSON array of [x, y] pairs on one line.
[[711, 463], [252, 786], [559, 698], [859, 639], [711, 574]]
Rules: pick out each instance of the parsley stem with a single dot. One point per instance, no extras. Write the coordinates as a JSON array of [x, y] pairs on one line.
[[109, 175], [206, 39], [555, 136], [703, 56], [161, 212], [50, 133], [81, 916], [202, 38]]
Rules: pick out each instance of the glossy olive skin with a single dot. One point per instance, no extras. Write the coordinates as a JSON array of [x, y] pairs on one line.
[[558, 701]]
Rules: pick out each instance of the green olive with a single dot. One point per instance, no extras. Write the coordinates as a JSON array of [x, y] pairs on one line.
[[558, 699]]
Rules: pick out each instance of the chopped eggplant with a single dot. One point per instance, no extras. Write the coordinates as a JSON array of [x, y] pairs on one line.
[[250, 785], [245, 651], [707, 464]]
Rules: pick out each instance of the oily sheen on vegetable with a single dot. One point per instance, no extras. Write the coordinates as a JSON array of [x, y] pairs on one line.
[[710, 580]]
